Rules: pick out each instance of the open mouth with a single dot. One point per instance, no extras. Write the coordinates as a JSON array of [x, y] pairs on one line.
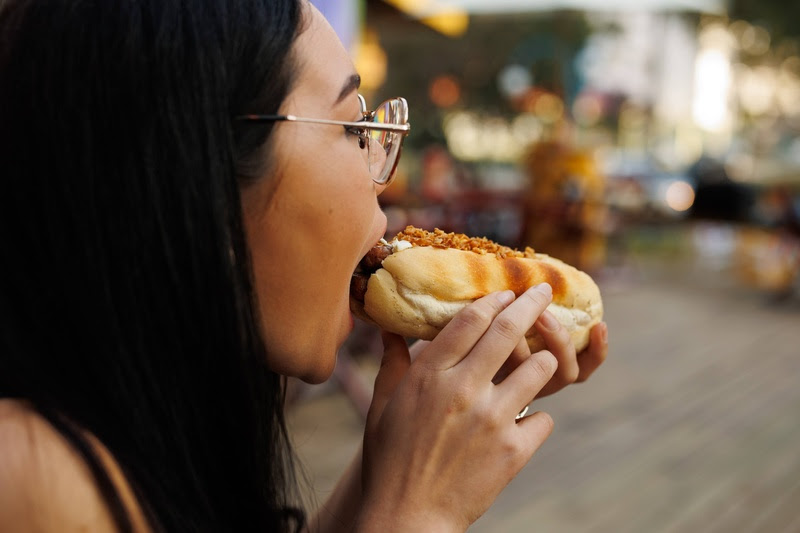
[[368, 265]]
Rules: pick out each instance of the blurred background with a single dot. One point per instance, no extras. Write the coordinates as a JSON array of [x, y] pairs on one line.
[[656, 145]]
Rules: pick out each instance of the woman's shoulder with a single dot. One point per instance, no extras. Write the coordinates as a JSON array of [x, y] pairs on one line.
[[45, 485]]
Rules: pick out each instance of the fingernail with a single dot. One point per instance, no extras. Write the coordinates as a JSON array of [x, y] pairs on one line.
[[506, 297], [604, 335], [548, 321]]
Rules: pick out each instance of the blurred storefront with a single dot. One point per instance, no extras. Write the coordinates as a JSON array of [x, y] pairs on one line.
[[579, 126]]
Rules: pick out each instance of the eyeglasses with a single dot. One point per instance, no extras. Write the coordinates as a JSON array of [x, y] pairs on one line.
[[381, 132]]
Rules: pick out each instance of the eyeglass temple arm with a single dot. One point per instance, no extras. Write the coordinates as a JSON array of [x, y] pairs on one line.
[[404, 128]]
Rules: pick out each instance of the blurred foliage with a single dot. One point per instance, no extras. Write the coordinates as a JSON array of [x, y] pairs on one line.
[[780, 17]]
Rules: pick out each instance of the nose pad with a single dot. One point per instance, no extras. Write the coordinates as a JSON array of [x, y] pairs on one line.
[[377, 157]]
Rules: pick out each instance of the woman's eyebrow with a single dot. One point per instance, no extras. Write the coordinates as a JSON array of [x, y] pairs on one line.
[[352, 84]]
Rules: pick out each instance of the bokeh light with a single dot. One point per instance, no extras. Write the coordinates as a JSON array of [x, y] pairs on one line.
[[445, 91], [587, 110], [549, 108], [712, 85], [371, 61], [788, 89], [679, 196], [514, 80], [755, 40], [453, 22], [756, 88]]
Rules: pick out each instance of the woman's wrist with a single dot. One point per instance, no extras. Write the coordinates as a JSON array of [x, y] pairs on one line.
[[392, 519], [338, 513]]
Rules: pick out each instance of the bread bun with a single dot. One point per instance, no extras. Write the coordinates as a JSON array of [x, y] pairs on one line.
[[419, 289]]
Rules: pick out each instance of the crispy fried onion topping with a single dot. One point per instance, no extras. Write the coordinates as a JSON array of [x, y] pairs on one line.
[[480, 245]]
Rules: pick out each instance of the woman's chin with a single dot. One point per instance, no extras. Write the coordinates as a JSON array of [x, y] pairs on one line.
[[312, 361], [327, 353], [326, 356], [321, 373]]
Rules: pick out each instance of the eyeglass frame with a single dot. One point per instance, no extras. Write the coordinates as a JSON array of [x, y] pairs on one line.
[[365, 124]]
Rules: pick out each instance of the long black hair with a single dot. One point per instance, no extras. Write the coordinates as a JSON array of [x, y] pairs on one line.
[[126, 303]]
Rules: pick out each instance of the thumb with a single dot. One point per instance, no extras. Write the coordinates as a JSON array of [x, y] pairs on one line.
[[394, 365]]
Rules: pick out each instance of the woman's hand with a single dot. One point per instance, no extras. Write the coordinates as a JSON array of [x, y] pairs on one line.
[[441, 439], [572, 367]]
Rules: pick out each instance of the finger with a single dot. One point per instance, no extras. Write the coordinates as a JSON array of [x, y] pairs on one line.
[[417, 348], [595, 354], [458, 337], [394, 366], [525, 382], [506, 330], [537, 427], [521, 353], [559, 343]]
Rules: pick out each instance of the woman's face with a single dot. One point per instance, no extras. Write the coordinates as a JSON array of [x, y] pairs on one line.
[[315, 216]]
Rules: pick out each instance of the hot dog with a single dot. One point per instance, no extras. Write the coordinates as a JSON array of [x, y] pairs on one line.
[[415, 284]]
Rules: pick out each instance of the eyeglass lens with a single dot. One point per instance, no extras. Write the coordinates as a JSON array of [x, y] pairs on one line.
[[384, 146]]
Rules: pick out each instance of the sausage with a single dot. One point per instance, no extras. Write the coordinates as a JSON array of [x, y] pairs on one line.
[[366, 267], [358, 285], [372, 261]]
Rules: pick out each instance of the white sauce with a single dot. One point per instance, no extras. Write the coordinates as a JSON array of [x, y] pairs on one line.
[[398, 245]]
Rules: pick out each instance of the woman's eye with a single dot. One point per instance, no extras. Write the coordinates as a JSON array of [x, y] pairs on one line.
[[361, 134]]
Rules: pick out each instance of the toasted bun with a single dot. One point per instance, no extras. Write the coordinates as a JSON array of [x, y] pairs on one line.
[[420, 289]]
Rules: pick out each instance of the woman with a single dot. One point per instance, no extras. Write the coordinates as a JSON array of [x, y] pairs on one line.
[[169, 257]]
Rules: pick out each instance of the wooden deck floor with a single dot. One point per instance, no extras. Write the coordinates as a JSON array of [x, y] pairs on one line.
[[693, 424]]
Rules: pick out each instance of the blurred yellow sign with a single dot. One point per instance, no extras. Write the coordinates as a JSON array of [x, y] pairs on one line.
[[448, 20]]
